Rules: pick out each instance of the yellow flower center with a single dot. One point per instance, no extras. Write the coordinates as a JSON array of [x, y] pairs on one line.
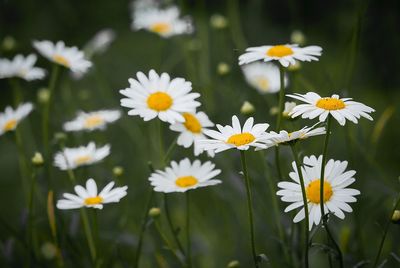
[[10, 125], [279, 51], [82, 159], [61, 60], [263, 83], [186, 181], [93, 121], [192, 123], [313, 191], [241, 139], [159, 101], [161, 27], [93, 200], [330, 104]]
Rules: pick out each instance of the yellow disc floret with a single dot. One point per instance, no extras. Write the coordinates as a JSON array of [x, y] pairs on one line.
[[61, 60], [93, 200], [313, 191], [161, 27], [186, 181], [159, 101], [279, 51], [241, 139], [93, 121], [330, 104], [10, 125], [192, 123]]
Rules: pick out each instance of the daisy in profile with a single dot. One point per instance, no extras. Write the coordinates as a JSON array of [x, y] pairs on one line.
[[184, 176], [340, 109], [289, 105], [164, 22], [263, 76], [90, 198], [284, 137], [192, 129], [336, 194], [10, 118], [22, 67], [69, 57], [71, 158], [235, 136], [93, 120], [159, 96], [286, 54]]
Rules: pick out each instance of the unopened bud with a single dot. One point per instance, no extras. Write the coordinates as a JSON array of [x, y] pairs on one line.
[[396, 217], [274, 110], [294, 67], [154, 212], [218, 21], [9, 43], [247, 108], [118, 171], [298, 37], [43, 95], [49, 250], [223, 68], [233, 264], [37, 159], [60, 137]]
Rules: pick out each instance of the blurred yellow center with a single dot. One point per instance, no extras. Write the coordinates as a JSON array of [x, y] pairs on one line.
[[241, 139], [186, 181], [330, 104], [279, 51], [82, 159], [10, 125], [93, 200], [94, 121], [263, 83], [61, 60], [159, 101], [313, 191], [161, 27], [192, 123]]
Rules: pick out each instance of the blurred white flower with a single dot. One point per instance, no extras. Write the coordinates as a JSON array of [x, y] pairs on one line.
[[10, 118], [100, 42], [22, 67], [289, 105], [92, 120]]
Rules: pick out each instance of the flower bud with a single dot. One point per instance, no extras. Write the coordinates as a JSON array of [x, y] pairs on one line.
[[49, 250], [60, 137], [396, 217], [233, 264], [37, 159], [9, 43], [218, 21], [118, 171], [298, 37], [43, 95], [294, 67], [154, 212], [247, 108], [223, 68]]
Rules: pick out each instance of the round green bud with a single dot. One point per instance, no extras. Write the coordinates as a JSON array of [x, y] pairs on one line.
[[37, 159], [154, 212]]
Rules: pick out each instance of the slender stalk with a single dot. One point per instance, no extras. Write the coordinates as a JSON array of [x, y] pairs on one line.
[[321, 194], [249, 207], [170, 150], [17, 91], [31, 230], [23, 165], [188, 255], [160, 142], [171, 226], [303, 192], [279, 117], [397, 202], [168, 243]]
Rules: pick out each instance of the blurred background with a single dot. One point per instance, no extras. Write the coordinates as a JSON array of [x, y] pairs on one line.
[[360, 41]]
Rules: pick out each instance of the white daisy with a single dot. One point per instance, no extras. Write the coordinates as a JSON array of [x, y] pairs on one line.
[[69, 57], [184, 176], [192, 129], [285, 54], [340, 109], [234, 136], [160, 96], [284, 137], [10, 118], [336, 195], [289, 105], [93, 120], [22, 67], [263, 76], [164, 22], [90, 198], [71, 158]]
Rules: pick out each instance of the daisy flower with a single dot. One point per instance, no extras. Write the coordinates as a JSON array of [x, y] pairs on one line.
[[289, 105], [100, 42], [285, 54], [10, 118], [184, 176], [340, 109], [336, 195], [93, 120], [159, 96], [235, 136], [263, 76], [90, 198], [71, 158], [164, 22], [284, 137], [22, 67], [192, 129], [69, 57]]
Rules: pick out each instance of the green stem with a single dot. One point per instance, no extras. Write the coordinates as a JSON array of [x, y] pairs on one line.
[[17, 91], [303, 192], [160, 142], [171, 226], [249, 207], [23, 165], [31, 230], [397, 202], [279, 117], [168, 243], [170, 150], [321, 193], [188, 255]]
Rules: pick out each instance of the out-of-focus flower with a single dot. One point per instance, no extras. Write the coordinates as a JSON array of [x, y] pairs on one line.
[[298, 37], [21, 67], [223, 68], [396, 217], [159, 96], [69, 57], [285, 54], [184, 176], [289, 105], [92, 120], [100, 42], [264, 77], [10, 118], [284, 137], [247, 108], [37, 159], [43, 95], [336, 195], [218, 21], [88, 197], [233, 264], [71, 158], [340, 109]]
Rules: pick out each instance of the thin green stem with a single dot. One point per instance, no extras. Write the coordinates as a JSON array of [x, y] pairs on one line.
[[305, 203], [171, 226], [170, 150], [31, 230], [17, 91], [160, 142], [396, 204], [23, 165], [188, 248], [168, 243], [249, 207], [279, 117]]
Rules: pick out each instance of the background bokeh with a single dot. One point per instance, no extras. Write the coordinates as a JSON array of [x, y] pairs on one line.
[[360, 60]]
